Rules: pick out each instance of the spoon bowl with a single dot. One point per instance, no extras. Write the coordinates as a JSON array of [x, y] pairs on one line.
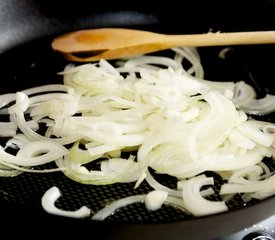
[[111, 43]]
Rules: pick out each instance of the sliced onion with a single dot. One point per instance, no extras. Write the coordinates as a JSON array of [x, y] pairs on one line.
[[7, 129], [35, 153], [111, 110], [113, 165], [252, 130], [260, 106], [157, 186], [111, 208], [154, 199], [48, 203], [117, 204], [193, 200], [81, 174], [8, 172], [215, 127]]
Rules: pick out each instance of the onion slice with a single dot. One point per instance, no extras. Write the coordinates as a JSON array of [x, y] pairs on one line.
[[48, 203], [111, 208], [195, 203]]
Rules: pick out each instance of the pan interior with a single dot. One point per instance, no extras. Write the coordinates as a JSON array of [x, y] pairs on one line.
[[35, 63]]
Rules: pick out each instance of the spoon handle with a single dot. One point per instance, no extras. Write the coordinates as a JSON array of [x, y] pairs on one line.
[[219, 38]]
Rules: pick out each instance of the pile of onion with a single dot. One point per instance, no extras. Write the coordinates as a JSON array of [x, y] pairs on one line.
[[161, 114]]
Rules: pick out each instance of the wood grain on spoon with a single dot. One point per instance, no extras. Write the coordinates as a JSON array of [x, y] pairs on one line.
[[112, 43]]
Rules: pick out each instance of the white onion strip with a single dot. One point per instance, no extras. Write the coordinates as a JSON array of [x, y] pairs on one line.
[[17, 169], [83, 175], [156, 185], [48, 203], [193, 200], [112, 207], [35, 153], [6, 171], [115, 205]]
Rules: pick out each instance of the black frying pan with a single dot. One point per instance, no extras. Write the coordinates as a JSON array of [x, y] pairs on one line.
[[26, 59]]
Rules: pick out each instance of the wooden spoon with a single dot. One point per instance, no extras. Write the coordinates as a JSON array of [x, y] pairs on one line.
[[111, 43]]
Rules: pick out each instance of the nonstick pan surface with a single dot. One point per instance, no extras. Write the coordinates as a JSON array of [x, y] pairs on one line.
[[26, 60]]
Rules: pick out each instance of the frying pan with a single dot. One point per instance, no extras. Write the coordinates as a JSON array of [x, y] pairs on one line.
[[26, 59]]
